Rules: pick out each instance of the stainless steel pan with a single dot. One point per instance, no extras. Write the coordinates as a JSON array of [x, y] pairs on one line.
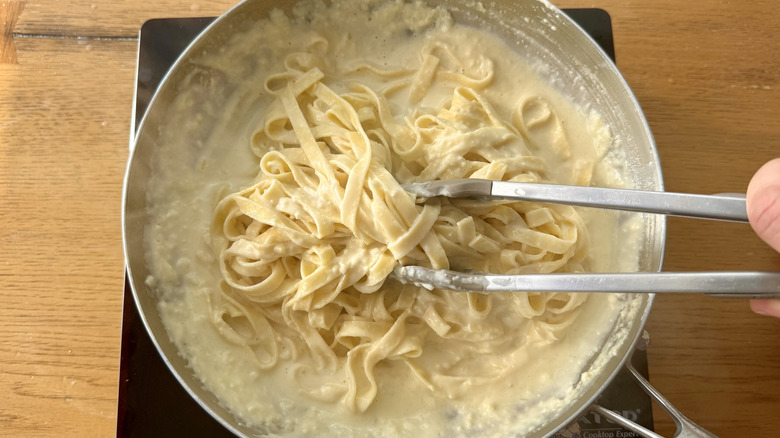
[[566, 55]]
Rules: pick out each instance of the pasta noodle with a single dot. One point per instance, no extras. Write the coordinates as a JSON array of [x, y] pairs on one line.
[[305, 250]]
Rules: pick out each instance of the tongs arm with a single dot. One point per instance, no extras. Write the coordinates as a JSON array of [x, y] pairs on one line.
[[728, 207], [735, 284]]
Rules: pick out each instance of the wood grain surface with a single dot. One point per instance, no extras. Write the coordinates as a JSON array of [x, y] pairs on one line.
[[706, 73]]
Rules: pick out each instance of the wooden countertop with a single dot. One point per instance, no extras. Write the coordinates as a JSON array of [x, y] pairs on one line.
[[706, 73]]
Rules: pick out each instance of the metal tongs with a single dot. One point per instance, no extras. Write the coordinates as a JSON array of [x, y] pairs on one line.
[[728, 207]]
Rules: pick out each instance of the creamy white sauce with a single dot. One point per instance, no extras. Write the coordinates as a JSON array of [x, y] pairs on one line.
[[191, 171]]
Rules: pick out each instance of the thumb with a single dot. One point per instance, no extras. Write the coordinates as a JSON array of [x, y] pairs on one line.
[[766, 307], [763, 209], [763, 203]]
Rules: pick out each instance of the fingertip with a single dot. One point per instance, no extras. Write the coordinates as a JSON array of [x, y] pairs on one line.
[[766, 307]]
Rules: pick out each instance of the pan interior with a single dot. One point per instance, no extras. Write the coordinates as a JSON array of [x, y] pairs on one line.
[[559, 51]]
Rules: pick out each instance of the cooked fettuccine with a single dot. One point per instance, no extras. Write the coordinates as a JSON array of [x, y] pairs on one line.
[[305, 251]]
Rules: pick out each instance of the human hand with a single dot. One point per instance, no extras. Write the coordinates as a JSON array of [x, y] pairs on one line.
[[763, 209]]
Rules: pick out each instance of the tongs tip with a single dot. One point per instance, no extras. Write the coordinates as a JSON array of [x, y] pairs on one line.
[[454, 188]]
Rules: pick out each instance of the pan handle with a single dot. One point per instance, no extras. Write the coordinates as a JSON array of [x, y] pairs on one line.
[[623, 421], [685, 427]]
